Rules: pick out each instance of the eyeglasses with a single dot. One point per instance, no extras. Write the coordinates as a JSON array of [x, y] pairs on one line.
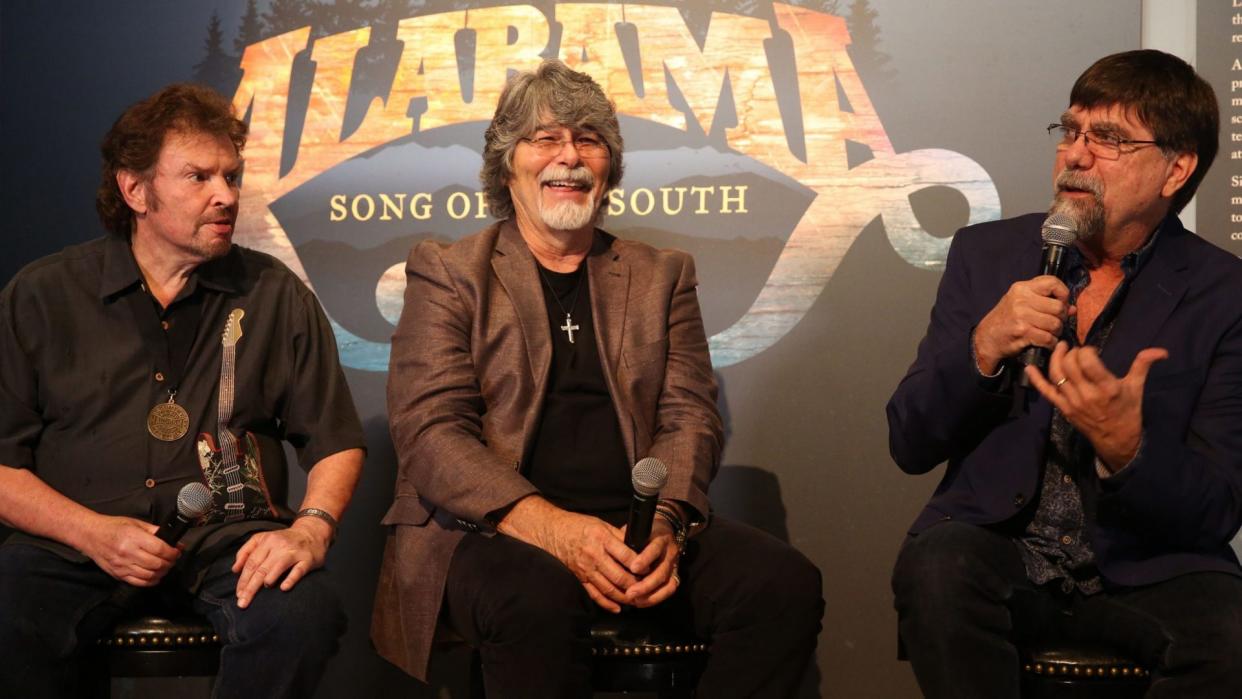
[[587, 146], [1102, 144]]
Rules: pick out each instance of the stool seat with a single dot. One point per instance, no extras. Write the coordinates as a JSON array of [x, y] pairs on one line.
[[636, 651], [1067, 669], [160, 646], [642, 651]]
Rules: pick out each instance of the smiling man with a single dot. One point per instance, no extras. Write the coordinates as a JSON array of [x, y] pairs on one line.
[[1099, 504], [159, 356], [533, 364]]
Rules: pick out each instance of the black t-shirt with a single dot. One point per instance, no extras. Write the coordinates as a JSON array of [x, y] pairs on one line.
[[577, 457]]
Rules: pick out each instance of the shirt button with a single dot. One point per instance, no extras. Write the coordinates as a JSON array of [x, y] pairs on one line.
[[149, 483], [164, 324], [1067, 540], [159, 376], [1066, 479]]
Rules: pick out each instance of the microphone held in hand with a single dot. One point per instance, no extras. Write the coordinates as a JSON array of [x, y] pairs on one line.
[[1059, 232], [648, 478], [193, 501]]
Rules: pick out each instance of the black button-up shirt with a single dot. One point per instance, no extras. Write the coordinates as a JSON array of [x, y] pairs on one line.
[[77, 381]]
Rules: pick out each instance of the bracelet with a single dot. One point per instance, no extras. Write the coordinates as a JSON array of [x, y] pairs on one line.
[[319, 514], [674, 521]]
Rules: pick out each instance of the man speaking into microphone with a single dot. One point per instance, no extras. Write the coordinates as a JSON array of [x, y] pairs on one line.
[[1099, 503], [534, 364]]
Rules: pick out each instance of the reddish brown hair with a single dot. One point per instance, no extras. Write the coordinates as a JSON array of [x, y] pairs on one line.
[[134, 141]]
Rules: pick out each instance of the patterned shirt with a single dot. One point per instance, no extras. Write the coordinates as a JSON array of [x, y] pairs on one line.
[[1056, 544]]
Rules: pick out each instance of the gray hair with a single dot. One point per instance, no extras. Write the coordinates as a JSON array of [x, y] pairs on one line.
[[572, 99]]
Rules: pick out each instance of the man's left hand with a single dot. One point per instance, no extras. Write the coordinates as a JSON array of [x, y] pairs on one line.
[[291, 553], [1106, 409], [656, 568]]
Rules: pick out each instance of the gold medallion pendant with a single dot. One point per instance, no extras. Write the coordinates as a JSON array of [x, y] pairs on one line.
[[168, 422]]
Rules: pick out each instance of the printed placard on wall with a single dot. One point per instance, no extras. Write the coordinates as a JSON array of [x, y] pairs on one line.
[[1219, 48], [751, 143]]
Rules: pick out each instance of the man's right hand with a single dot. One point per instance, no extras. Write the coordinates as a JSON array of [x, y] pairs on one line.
[[1032, 312], [593, 550], [128, 550]]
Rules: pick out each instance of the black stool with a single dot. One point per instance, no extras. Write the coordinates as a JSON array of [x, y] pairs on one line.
[[638, 651], [153, 642], [1068, 670]]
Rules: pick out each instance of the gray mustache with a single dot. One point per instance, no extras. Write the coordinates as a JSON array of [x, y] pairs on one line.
[[1069, 179], [580, 175]]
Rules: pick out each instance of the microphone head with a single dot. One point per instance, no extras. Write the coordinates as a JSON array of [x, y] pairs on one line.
[[649, 476], [1059, 229], [193, 501]]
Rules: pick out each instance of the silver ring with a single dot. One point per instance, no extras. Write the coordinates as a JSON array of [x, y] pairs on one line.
[[1063, 380]]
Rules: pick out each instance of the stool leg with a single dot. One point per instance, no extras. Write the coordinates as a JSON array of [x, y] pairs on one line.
[[477, 690], [94, 676]]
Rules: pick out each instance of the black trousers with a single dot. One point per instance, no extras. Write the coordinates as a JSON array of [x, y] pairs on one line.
[[53, 608], [964, 604], [757, 599]]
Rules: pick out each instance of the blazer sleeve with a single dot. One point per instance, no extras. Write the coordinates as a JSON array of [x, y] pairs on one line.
[[943, 404], [1184, 487], [688, 433], [435, 405]]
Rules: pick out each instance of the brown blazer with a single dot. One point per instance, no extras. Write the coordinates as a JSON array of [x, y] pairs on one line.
[[469, 368]]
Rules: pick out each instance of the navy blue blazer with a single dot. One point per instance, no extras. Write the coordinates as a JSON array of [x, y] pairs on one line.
[[1176, 507]]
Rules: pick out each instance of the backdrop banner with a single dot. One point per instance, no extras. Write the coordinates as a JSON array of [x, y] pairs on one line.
[[814, 157]]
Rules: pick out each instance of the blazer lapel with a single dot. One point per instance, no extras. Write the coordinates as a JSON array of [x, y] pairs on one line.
[[1153, 295], [609, 277], [515, 268]]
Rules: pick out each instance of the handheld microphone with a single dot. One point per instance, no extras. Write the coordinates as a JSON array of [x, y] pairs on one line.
[[1059, 232], [193, 501], [648, 477]]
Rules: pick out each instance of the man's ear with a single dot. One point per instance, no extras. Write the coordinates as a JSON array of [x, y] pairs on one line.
[[134, 188], [1181, 168]]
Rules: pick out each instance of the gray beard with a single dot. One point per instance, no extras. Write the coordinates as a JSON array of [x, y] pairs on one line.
[[568, 216], [1089, 216]]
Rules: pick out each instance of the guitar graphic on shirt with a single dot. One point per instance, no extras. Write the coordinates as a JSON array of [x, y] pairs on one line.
[[255, 499], [233, 471]]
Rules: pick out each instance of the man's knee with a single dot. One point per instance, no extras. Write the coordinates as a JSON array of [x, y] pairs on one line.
[[951, 565], [1211, 643], [507, 591], [42, 605], [768, 578], [542, 599], [309, 614], [796, 585]]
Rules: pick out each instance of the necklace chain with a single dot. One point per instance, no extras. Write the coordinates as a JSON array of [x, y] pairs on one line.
[[569, 326]]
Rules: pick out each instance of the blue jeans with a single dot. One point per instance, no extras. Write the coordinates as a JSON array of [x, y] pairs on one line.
[[964, 605], [54, 608]]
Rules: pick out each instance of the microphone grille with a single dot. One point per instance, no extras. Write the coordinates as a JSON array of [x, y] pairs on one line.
[[1059, 229], [193, 501], [649, 476]]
